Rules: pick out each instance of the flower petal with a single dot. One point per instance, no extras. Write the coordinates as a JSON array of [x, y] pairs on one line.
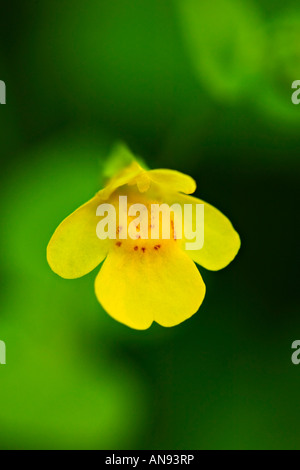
[[137, 288], [173, 180], [74, 249], [164, 180], [221, 241], [126, 176]]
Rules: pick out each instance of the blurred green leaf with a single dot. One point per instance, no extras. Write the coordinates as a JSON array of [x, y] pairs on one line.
[[226, 43]]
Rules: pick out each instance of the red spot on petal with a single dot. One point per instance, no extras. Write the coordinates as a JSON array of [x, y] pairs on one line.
[[118, 243], [143, 249], [136, 248]]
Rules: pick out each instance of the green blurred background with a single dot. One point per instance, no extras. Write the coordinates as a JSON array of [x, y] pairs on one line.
[[199, 86]]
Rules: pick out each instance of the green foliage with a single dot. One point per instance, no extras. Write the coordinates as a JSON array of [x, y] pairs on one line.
[[203, 87]]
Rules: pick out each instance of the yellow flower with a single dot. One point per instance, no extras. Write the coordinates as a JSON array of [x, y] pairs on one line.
[[142, 281]]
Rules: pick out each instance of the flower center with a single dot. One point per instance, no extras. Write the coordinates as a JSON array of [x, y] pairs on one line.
[[144, 225]]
